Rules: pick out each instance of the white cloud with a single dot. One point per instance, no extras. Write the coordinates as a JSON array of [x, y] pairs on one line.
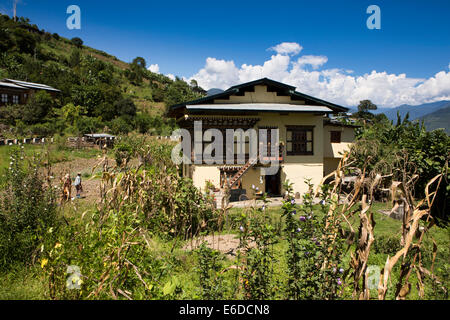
[[218, 74], [314, 61], [170, 76], [287, 48], [154, 68], [276, 67], [340, 86]]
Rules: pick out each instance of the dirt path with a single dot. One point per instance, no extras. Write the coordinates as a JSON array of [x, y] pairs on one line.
[[225, 243]]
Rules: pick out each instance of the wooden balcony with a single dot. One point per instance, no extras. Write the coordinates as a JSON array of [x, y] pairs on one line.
[[267, 158]]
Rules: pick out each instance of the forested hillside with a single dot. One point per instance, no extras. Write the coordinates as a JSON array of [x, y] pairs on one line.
[[98, 91], [438, 119]]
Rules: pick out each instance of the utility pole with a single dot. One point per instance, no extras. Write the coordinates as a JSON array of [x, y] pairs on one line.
[[15, 10]]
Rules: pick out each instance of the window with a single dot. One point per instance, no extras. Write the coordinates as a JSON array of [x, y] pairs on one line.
[[4, 98], [15, 99], [335, 136], [299, 140]]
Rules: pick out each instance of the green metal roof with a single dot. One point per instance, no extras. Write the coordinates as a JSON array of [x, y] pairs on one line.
[[290, 90]]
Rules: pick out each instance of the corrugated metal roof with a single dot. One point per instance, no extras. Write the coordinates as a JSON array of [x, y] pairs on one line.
[[32, 85], [11, 85], [99, 135], [263, 107]]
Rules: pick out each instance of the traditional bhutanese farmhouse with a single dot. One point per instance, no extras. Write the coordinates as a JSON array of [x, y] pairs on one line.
[[18, 92], [310, 144]]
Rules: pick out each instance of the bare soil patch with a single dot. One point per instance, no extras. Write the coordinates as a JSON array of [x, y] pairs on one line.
[[91, 186], [225, 243]]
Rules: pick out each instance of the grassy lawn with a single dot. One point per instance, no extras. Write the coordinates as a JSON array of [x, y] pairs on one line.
[[23, 283]]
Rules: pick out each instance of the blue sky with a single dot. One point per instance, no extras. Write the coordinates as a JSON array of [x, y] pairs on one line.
[[179, 36]]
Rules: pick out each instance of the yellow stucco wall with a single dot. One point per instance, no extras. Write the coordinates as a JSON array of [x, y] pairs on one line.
[[335, 150], [260, 95], [252, 177], [202, 173], [298, 173]]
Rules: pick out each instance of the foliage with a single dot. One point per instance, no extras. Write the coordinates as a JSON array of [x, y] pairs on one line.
[[387, 149], [364, 108], [125, 107], [129, 246], [257, 263], [113, 250], [386, 245], [179, 91], [315, 247], [77, 42], [210, 278], [87, 77], [122, 153], [28, 212]]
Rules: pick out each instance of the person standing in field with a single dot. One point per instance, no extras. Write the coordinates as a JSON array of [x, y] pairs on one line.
[[67, 188], [78, 185]]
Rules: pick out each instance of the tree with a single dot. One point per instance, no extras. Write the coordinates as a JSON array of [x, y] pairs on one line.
[[140, 62], [25, 41], [5, 41], [125, 107], [137, 70], [77, 42], [88, 124], [193, 83], [364, 108], [196, 88], [366, 105], [71, 113], [75, 58], [120, 126], [39, 106], [179, 91]]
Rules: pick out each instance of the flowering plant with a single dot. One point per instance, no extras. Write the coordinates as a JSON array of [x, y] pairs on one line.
[[314, 251]]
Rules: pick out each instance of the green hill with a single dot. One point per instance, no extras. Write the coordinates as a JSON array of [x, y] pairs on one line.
[[438, 119], [97, 89]]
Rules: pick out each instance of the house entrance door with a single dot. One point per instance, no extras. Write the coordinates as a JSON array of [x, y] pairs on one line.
[[273, 184]]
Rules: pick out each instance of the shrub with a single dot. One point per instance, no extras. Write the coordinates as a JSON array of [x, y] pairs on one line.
[[125, 107], [120, 126], [315, 248], [77, 42], [386, 245], [87, 125], [28, 212], [258, 261], [210, 279]]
